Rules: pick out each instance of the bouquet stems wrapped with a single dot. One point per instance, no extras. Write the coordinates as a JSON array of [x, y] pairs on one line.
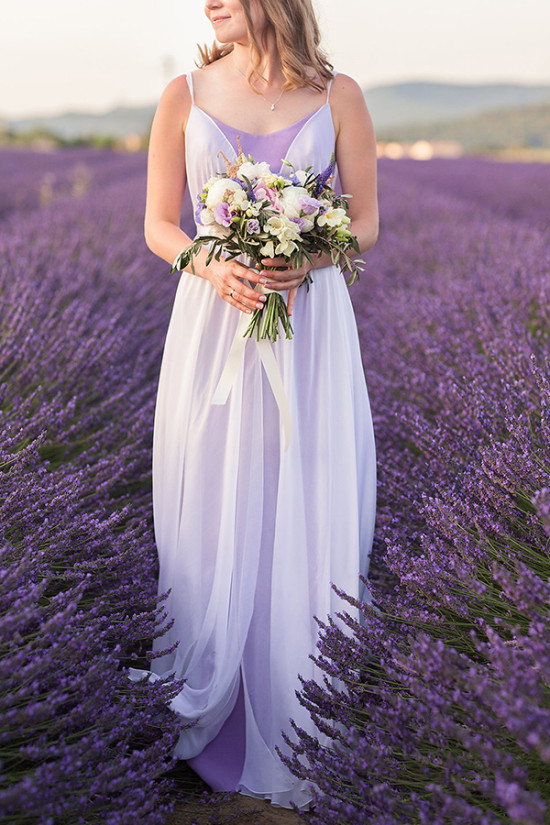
[[265, 321]]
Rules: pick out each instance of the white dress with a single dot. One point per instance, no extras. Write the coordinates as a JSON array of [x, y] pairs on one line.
[[250, 536]]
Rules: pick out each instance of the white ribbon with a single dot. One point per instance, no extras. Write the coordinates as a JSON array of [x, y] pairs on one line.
[[267, 357]]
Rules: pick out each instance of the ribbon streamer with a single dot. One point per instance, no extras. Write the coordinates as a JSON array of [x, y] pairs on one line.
[[267, 357]]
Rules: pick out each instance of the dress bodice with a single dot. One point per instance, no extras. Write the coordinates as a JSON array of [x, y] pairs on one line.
[[308, 142]]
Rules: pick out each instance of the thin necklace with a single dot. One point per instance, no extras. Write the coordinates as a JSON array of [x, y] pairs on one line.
[[271, 105]]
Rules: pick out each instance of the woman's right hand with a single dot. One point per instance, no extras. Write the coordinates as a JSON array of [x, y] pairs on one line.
[[227, 278]]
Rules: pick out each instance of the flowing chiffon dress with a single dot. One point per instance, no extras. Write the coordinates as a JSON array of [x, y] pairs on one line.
[[251, 535]]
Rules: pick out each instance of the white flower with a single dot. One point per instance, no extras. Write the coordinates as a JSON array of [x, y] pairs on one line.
[[239, 200], [291, 197], [333, 217], [221, 190], [219, 231], [207, 217], [274, 180], [286, 233], [285, 248], [253, 171], [270, 250], [283, 228]]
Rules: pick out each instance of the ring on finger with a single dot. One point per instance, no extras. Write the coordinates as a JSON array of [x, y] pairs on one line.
[[231, 293]]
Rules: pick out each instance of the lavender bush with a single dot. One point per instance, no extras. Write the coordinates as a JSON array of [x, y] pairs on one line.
[[441, 715], [443, 709], [82, 319]]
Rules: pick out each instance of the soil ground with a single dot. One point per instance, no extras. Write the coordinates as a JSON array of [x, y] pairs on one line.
[[204, 808]]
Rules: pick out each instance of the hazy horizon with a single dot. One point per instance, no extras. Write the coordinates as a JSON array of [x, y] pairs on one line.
[[99, 110], [93, 56]]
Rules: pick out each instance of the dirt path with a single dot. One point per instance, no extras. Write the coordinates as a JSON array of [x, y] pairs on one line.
[[240, 810], [223, 808]]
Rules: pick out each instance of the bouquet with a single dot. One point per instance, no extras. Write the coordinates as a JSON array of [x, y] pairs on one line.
[[251, 211]]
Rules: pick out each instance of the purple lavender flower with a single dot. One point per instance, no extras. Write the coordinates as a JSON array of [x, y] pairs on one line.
[[437, 706], [323, 177], [80, 742]]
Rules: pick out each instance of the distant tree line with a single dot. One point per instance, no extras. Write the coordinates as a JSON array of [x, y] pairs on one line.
[[521, 128], [47, 139]]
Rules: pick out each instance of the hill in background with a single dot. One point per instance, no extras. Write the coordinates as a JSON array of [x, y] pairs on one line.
[[487, 131], [479, 116], [116, 123], [401, 104]]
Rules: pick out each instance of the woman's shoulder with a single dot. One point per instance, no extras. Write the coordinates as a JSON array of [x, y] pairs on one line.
[[345, 89], [347, 103], [346, 94], [175, 101], [178, 90]]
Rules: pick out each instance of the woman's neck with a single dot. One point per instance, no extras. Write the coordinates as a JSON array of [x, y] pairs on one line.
[[269, 73]]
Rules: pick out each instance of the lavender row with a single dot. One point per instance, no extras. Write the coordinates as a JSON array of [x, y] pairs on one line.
[[518, 191], [83, 314], [433, 725], [31, 180], [443, 711]]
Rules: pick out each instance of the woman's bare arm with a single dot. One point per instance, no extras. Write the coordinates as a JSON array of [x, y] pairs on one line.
[[166, 172], [356, 158], [166, 178]]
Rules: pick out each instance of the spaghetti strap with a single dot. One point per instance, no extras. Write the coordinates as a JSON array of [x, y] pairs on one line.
[[189, 77]]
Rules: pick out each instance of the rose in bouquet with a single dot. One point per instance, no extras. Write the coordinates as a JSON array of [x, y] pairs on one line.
[[251, 211]]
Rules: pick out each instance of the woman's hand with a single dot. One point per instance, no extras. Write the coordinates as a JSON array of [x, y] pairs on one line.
[[227, 279], [284, 277]]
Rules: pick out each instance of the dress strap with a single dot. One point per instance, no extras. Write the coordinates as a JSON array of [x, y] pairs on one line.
[[189, 77], [330, 84]]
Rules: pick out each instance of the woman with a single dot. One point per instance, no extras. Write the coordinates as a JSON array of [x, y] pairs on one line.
[[250, 535]]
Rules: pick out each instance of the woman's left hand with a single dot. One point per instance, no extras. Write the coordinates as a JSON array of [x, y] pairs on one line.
[[285, 277]]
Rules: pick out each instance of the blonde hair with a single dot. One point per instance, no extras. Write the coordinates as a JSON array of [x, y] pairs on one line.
[[297, 38]]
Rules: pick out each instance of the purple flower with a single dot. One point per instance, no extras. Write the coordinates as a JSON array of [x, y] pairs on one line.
[[300, 223], [309, 205], [433, 709], [323, 177], [199, 207], [436, 706], [78, 598], [252, 226], [223, 214]]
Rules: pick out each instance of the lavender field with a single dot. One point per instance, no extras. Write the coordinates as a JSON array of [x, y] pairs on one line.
[[443, 711]]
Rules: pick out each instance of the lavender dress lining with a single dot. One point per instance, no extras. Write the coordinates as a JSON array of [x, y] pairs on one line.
[[221, 762]]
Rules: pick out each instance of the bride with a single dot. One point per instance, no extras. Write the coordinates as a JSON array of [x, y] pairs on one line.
[[251, 533]]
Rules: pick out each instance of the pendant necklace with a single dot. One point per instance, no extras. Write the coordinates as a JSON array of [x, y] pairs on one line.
[[271, 105]]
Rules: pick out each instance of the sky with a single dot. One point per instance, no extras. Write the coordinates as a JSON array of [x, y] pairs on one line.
[[57, 55]]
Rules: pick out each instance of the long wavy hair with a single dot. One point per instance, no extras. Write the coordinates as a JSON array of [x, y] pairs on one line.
[[298, 41]]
